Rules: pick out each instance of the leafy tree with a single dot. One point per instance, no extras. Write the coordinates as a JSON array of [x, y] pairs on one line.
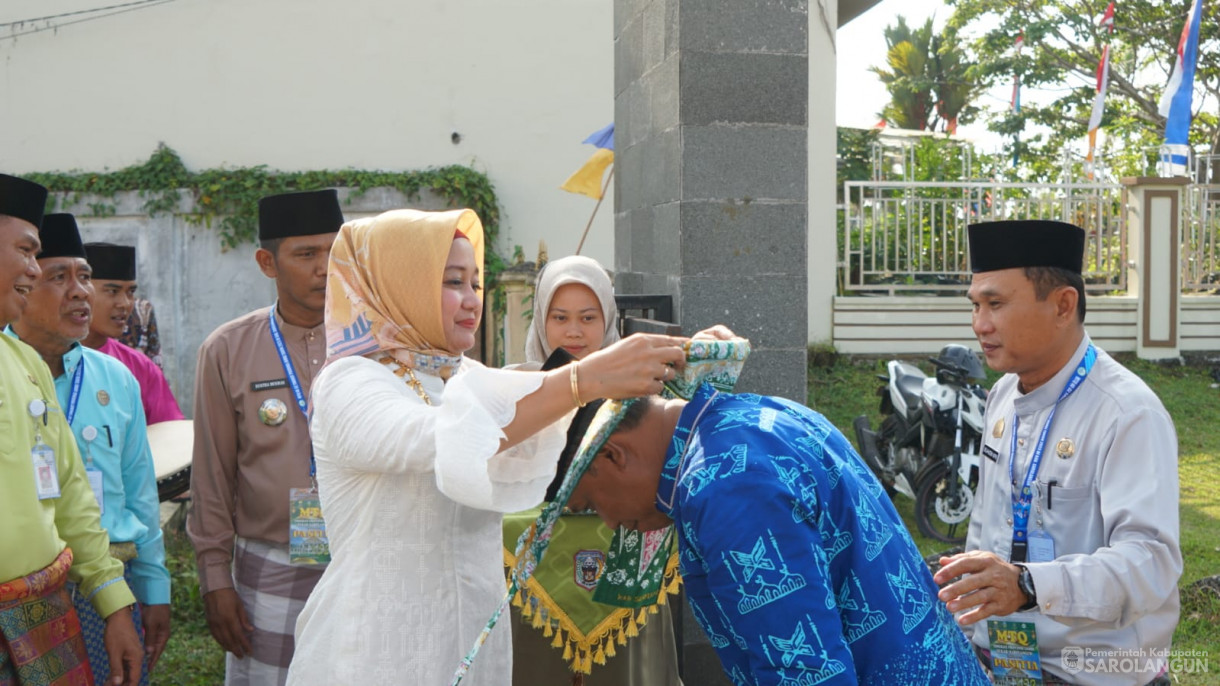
[[928, 79], [1062, 47]]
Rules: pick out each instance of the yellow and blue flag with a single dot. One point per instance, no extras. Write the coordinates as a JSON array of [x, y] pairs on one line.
[[588, 179]]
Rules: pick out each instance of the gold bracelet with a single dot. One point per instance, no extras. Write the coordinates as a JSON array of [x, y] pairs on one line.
[[574, 377]]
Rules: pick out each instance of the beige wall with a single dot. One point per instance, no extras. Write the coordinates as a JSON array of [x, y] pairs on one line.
[[306, 84]]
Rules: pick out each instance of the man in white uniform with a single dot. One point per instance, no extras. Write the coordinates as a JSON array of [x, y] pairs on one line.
[[1075, 528]]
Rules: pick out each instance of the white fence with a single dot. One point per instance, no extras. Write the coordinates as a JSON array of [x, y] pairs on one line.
[[903, 243], [1201, 232], [910, 237]]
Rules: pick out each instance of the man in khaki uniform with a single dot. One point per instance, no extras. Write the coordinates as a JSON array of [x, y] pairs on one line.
[[252, 443]]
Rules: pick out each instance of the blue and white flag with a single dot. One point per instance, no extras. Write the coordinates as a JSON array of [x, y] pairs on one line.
[[1176, 101]]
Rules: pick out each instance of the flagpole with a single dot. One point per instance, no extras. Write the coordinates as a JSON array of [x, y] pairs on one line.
[[1016, 101], [1103, 82], [583, 236]]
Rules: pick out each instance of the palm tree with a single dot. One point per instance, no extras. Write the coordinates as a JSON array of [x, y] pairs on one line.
[[927, 78], [955, 89], [908, 78]]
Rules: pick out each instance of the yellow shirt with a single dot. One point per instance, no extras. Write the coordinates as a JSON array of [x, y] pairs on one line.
[[32, 531]]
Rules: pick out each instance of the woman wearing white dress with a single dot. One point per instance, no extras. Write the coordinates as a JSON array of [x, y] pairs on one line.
[[419, 450]]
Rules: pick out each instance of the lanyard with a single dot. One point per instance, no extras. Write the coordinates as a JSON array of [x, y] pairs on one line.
[[1022, 499], [291, 373], [78, 379]]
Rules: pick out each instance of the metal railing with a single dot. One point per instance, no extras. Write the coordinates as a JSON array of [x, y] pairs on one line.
[[910, 237], [1201, 232]]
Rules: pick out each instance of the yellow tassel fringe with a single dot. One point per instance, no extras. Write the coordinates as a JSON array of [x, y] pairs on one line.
[[581, 652]]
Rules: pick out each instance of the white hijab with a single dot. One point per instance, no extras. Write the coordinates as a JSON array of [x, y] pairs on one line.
[[566, 270]]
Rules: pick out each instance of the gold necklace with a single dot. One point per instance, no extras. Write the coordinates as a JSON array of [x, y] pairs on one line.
[[404, 372]]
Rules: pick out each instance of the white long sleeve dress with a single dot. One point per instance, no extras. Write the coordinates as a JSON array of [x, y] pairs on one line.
[[412, 497]]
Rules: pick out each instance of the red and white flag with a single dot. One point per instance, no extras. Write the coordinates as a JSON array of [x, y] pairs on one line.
[[1103, 82]]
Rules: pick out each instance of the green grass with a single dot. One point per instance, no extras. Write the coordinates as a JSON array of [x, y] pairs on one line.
[[843, 387], [191, 657]]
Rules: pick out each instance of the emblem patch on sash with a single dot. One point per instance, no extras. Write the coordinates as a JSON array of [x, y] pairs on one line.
[[587, 566]]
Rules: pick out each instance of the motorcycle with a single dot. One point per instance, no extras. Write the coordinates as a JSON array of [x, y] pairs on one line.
[[927, 447]]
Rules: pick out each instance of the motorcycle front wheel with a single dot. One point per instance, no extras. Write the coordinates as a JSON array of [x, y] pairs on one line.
[[936, 515]]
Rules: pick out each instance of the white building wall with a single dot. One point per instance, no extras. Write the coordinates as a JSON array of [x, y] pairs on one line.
[[307, 84]]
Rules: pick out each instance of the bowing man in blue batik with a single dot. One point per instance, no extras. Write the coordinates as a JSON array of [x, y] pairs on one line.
[[796, 564], [101, 401]]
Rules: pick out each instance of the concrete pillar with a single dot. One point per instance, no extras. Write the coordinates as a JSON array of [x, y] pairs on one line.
[[823, 147], [518, 285], [711, 105], [1154, 219], [711, 112]]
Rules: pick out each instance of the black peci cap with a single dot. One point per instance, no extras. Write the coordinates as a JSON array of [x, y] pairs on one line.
[[110, 261], [299, 214], [1011, 244], [60, 237], [22, 199]]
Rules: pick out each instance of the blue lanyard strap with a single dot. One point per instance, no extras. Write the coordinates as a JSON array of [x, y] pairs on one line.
[[78, 379], [1023, 498], [291, 373]]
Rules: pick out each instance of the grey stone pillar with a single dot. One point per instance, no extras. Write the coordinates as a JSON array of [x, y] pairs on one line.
[[710, 114], [711, 111]]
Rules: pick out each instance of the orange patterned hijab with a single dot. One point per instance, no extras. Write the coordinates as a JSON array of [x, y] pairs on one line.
[[383, 288]]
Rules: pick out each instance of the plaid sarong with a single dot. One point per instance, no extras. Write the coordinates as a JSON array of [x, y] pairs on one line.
[[40, 635], [274, 593], [93, 628]]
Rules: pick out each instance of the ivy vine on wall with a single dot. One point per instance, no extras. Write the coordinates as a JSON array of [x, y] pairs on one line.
[[227, 198]]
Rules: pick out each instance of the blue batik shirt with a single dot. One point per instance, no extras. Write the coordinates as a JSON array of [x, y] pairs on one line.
[[796, 564], [110, 402]]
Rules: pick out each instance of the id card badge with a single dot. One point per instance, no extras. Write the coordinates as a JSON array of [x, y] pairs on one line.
[[1014, 653], [46, 473], [96, 482], [1041, 546], [307, 544], [96, 485]]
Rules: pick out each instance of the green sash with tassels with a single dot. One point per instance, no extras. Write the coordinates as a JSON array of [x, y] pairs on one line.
[[559, 598]]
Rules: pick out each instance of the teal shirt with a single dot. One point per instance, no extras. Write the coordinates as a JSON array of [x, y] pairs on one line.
[[132, 511]]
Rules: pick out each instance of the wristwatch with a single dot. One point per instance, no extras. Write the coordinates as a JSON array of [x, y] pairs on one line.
[[1026, 583]]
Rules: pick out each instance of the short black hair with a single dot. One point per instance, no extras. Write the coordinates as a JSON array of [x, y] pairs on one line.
[[1047, 279], [580, 426], [271, 245], [634, 415]]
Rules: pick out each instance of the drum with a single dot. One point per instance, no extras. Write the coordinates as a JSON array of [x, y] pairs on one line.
[[171, 444]]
